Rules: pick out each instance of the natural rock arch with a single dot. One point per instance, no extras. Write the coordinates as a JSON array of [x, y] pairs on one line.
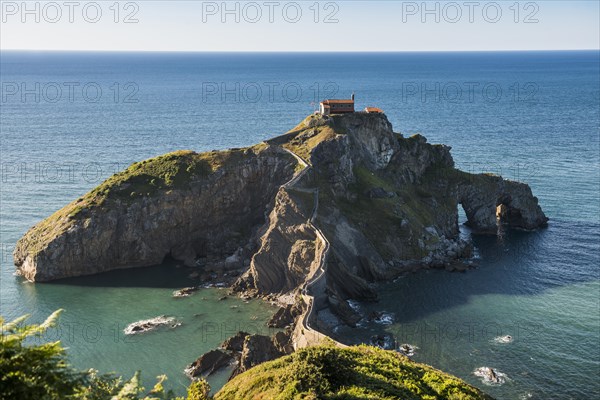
[[487, 199]]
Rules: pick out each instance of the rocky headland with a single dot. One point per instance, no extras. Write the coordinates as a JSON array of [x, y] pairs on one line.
[[312, 219]]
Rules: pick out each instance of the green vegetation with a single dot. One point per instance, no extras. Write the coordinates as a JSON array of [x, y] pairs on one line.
[[363, 372], [41, 372], [145, 178], [303, 139], [399, 216], [168, 171]]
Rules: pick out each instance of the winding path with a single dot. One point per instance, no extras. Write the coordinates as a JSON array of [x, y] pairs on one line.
[[304, 334]]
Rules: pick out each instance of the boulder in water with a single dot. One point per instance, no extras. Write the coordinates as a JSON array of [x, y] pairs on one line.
[[146, 325], [208, 363], [236, 342], [186, 292], [490, 375], [383, 341], [407, 349]]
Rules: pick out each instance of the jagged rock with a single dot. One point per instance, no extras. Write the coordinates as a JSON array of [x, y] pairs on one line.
[[229, 207], [208, 363], [384, 341], [285, 316], [257, 349], [482, 197], [251, 350], [283, 342], [134, 220], [186, 292], [236, 342], [408, 350], [343, 310], [490, 375], [287, 241]]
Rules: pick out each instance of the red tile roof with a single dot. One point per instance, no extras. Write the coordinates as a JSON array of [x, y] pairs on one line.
[[335, 101]]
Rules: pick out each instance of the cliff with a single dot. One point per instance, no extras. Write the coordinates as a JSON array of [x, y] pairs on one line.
[[184, 205], [385, 203]]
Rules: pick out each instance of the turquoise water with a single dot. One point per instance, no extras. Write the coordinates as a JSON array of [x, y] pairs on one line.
[[537, 121], [98, 308]]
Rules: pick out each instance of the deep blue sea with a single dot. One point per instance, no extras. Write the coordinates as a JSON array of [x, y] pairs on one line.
[[70, 120]]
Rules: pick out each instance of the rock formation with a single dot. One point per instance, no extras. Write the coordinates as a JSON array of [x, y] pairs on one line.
[[385, 203], [208, 363], [184, 205]]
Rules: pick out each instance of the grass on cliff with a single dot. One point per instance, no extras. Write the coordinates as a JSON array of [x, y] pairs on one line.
[[362, 372], [145, 178], [303, 138], [42, 371]]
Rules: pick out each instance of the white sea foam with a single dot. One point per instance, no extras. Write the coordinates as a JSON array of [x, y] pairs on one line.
[[490, 376], [503, 339], [185, 292], [385, 318], [150, 324], [355, 305], [407, 349]]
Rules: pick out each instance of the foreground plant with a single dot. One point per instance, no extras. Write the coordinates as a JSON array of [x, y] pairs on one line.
[[41, 372]]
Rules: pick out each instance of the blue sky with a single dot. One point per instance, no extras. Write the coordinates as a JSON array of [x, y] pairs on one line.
[[155, 25]]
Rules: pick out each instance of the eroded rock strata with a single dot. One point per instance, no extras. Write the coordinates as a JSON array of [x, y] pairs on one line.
[[385, 203], [183, 205]]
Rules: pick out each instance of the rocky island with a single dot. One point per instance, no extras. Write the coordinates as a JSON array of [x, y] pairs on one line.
[[312, 218]]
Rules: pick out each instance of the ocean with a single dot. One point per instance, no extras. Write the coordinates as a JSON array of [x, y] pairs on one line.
[[70, 120]]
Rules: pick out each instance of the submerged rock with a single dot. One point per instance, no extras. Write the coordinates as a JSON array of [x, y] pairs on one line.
[[381, 317], [345, 311], [150, 324], [503, 339], [490, 376], [407, 349], [186, 292], [383, 341]]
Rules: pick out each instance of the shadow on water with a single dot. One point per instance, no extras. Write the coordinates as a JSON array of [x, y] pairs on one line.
[[518, 263], [168, 275]]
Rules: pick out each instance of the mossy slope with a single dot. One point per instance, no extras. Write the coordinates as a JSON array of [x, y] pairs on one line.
[[361, 372], [150, 177]]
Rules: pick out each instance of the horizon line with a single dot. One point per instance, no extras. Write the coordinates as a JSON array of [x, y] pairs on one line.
[[297, 51]]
